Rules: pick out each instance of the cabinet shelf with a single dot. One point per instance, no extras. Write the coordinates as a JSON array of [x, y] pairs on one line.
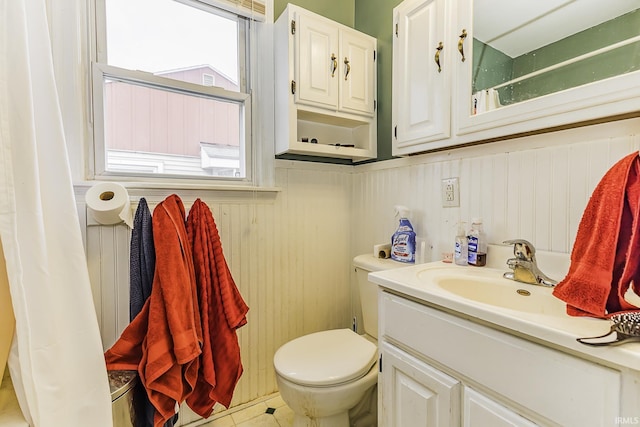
[[330, 119], [324, 150]]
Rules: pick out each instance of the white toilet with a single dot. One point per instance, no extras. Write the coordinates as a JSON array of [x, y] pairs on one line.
[[321, 376]]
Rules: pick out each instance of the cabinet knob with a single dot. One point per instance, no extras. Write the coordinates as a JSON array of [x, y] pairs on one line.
[[334, 64], [462, 36], [346, 62], [437, 57]]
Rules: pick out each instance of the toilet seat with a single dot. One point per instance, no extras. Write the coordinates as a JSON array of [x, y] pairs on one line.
[[325, 358]]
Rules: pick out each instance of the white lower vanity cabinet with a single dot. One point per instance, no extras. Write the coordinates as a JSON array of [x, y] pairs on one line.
[[480, 410], [416, 394], [438, 369]]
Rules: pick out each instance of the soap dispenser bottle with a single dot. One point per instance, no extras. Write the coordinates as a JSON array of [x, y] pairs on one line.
[[403, 241], [477, 244], [460, 254]]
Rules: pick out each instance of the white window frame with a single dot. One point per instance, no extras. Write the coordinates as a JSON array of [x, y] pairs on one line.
[[256, 174]]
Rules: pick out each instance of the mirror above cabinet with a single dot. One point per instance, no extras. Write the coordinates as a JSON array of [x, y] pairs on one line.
[[546, 64], [524, 50], [470, 71]]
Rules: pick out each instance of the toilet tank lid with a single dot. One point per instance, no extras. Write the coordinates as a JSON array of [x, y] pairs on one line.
[[370, 263], [325, 358]]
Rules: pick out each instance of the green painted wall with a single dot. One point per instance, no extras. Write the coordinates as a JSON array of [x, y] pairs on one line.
[[375, 17], [342, 11], [490, 66]]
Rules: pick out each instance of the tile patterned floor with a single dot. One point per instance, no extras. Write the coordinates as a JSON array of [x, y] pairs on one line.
[[270, 412]]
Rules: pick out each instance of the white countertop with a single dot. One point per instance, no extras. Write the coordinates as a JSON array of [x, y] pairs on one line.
[[555, 329]]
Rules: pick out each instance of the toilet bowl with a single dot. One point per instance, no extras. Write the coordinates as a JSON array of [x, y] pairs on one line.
[[323, 375]]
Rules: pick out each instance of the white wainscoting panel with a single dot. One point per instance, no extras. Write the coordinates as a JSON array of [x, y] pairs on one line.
[[535, 188], [289, 253]]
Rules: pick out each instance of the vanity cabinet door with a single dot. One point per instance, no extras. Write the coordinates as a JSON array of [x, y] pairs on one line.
[[415, 394], [481, 411], [318, 66], [421, 89]]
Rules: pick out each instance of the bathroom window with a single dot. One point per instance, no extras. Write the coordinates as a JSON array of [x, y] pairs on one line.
[[171, 90]]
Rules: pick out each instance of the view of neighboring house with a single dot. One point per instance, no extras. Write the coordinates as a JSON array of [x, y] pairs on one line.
[[173, 133]]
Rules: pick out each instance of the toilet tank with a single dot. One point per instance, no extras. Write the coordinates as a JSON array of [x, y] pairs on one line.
[[365, 264]]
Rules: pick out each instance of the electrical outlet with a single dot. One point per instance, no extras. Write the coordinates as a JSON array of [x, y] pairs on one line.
[[450, 193]]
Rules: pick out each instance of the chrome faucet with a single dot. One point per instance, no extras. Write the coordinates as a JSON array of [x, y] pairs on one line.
[[524, 266]]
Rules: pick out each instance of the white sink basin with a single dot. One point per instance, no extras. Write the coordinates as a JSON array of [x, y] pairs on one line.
[[482, 288], [530, 311], [502, 292]]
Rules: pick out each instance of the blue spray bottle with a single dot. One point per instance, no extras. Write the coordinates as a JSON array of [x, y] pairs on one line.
[[403, 241]]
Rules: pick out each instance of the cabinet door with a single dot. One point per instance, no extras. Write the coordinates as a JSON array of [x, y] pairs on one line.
[[415, 394], [317, 62], [481, 411], [421, 88], [357, 80]]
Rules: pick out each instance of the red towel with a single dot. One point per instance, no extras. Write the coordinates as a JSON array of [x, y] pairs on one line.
[[163, 341], [605, 259], [223, 311]]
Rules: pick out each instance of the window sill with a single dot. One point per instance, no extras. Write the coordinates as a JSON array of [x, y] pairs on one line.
[[154, 193], [182, 185]]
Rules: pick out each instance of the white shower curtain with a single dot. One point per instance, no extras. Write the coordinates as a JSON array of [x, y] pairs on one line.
[[56, 359]]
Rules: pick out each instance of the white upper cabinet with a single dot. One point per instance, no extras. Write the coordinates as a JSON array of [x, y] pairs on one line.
[[509, 68], [334, 61], [325, 87], [421, 75]]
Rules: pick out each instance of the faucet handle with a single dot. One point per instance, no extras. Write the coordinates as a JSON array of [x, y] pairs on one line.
[[522, 249]]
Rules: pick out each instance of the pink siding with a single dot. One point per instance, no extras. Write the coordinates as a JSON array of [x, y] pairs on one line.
[[143, 119]]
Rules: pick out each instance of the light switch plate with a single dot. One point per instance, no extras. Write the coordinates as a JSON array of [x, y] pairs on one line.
[[450, 193]]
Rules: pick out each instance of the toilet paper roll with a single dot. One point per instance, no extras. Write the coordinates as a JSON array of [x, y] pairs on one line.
[[108, 203], [382, 250]]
